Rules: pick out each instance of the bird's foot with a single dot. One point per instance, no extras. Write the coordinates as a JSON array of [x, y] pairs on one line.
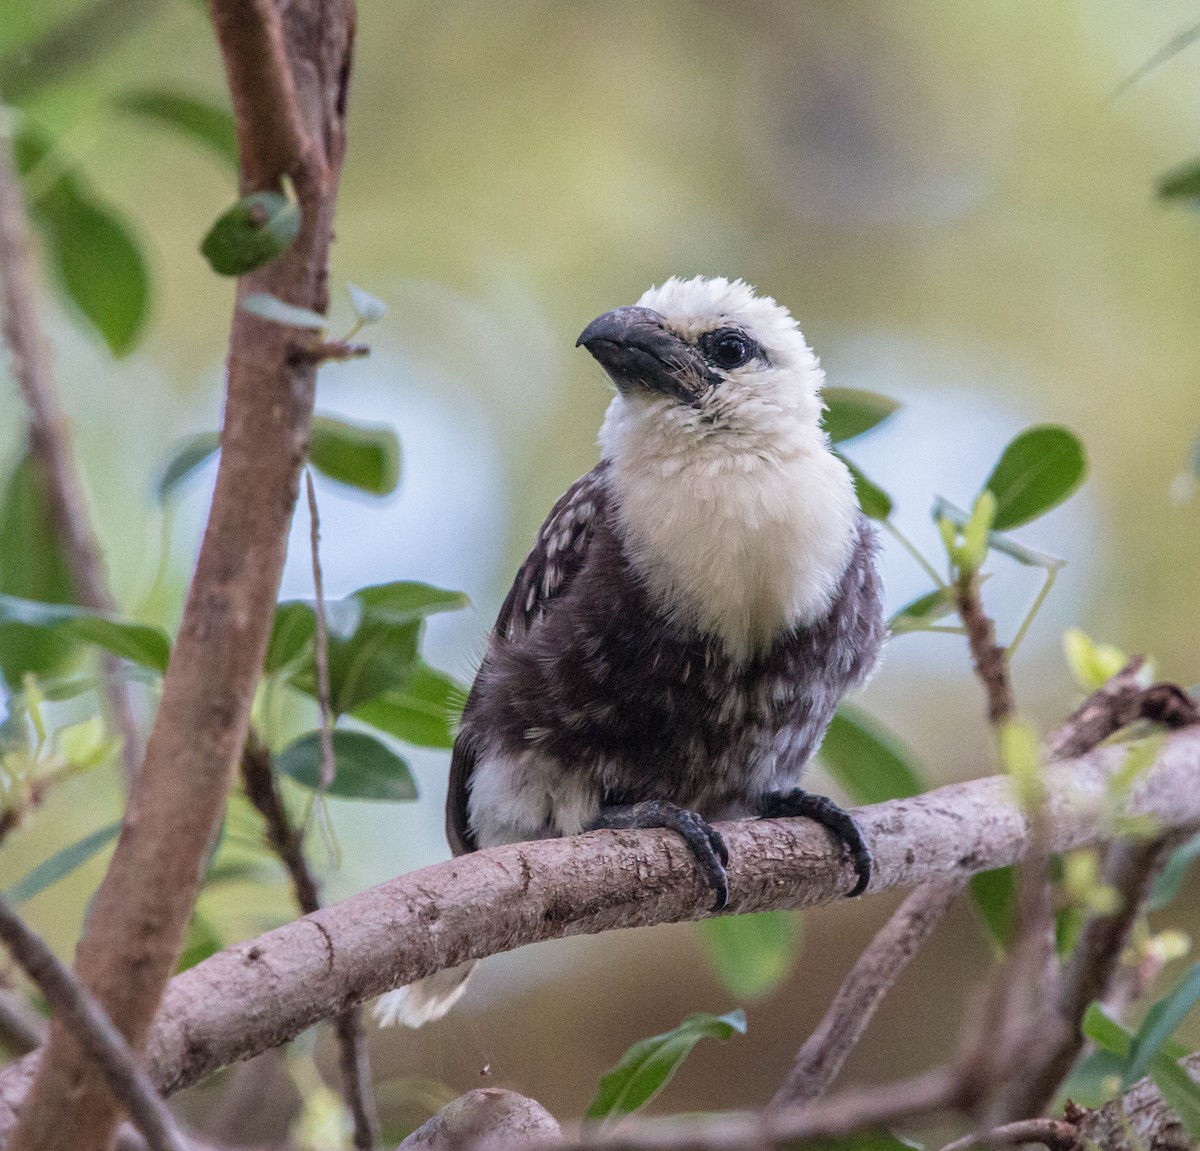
[[822, 809], [705, 843]]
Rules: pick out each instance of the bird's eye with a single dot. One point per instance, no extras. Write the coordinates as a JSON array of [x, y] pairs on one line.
[[729, 348]]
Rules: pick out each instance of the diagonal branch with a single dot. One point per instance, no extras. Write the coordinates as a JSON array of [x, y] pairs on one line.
[[289, 66], [78, 1011], [870, 979], [50, 441]]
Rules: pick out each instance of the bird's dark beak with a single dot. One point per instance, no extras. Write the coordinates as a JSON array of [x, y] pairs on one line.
[[640, 353]]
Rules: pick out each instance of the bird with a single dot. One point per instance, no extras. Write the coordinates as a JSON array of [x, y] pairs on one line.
[[675, 644]]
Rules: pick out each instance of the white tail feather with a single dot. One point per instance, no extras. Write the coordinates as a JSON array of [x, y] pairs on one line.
[[424, 1001]]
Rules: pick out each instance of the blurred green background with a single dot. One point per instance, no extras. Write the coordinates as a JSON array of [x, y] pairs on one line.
[[956, 201]]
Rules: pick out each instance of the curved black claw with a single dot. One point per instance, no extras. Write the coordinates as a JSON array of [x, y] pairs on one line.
[[706, 844], [822, 810]]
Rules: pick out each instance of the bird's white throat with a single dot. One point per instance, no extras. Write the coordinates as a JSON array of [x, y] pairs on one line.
[[746, 535]]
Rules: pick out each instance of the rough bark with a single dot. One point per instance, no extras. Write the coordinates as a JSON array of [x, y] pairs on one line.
[[288, 68]]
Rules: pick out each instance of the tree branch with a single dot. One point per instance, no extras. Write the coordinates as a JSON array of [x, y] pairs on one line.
[[289, 66], [50, 442], [265, 991], [870, 979], [991, 666], [353, 1059], [1056, 1134], [78, 1011]]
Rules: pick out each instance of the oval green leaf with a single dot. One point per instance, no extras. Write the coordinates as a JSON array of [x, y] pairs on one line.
[[424, 711], [853, 412], [366, 769], [995, 896], [406, 600], [867, 759], [751, 954], [363, 456], [1037, 471], [201, 121], [256, 230], [1160, 1023], [920, 613], [1181, 184], [650, 1064], [293, 628]]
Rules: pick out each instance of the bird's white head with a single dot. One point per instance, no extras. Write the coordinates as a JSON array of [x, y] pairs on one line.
[[730, 502], [708, 360]]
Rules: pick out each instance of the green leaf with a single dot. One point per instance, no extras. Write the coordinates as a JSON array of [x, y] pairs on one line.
[[203, 122], [256, 230], [751, 954], [1105, 1032], [853, 412], [1181, 184], [33, 565], [1037, 471], [364, 456], [369, 309], [366, 769], [1168, 881], [405, 601], [649, 1065], [1160, 1023], [998, 541], [271, 308], [140, 643], [294, 626], [874, 501], [423, 711], [61, 864], [189, 457], [868, 761], [995, 895], [918, 614]]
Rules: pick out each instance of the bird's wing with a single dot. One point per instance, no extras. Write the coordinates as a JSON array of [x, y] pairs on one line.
[[556, 559]]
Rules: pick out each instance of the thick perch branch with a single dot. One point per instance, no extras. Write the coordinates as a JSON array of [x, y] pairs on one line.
[[289, 66], [262, 993]]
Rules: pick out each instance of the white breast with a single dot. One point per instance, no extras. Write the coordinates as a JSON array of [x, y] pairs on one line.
[[743, 536]]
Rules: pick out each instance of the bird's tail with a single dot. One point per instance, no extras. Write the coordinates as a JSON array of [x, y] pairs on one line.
[[424, 1001]]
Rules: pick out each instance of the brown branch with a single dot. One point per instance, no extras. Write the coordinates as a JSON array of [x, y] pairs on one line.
[[1129, 870], [140, 913], [50, 442], [1056, 1134], [21, 1028], [267, 990], [288, 843], [328, 767], [75, 1009], [862, 1109], [871, 978], [991, 666]]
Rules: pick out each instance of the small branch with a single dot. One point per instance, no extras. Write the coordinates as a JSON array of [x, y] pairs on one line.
[[21, 1028], [354, 1061], [1057, 1040], [50, 442], [871, 978], [272, 141], [331, 351], [328, 766], [1119, 703], [1056, 1134], [862, 1109], [990, 664], [76, 1010]]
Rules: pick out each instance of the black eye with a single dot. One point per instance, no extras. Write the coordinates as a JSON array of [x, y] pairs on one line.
[[729, 348]]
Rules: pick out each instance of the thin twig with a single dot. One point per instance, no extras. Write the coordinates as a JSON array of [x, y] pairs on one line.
[[50, 441], [990, 664], [328, 766], [870, 979], [353, 1056], [75, 1009], [912, 549], [1056, 1134]]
